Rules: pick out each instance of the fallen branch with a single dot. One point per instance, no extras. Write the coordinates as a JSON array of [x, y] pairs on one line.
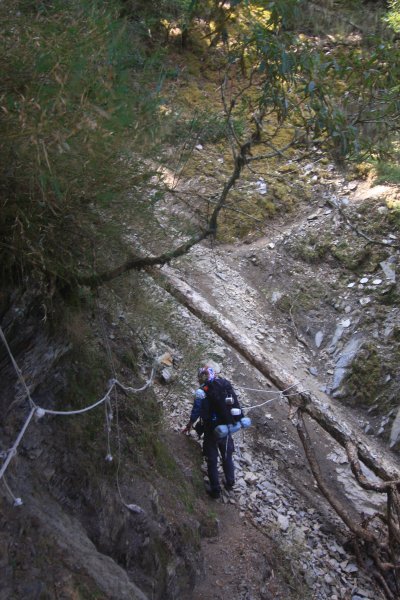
[[352, 454], [381, 550], [357, 231], [381, 544], [348, 519], [334, 422]]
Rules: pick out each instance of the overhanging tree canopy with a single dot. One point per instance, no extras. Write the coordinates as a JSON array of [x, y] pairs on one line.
[[87, 98]]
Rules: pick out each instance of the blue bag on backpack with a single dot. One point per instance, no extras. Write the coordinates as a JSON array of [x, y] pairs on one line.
[[222, 431]]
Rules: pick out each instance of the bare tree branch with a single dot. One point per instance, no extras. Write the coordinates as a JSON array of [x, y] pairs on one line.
[[141, 262], [352, 454], [357, 231], [348, 519]]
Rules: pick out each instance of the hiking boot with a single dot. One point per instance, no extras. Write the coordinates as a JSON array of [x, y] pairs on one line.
[[228, 486], [213, 493]]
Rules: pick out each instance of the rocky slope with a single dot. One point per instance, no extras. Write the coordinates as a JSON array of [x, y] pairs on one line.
[[315, 317], [274, 536]]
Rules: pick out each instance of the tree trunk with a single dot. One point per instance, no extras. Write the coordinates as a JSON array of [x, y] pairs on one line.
[[330, 418]]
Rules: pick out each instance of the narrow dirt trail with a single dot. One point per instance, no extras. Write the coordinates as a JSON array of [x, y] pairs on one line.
[[238, 562], [232, 280]]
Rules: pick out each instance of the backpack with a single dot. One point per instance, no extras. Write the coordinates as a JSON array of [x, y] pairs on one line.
[[220, 399]]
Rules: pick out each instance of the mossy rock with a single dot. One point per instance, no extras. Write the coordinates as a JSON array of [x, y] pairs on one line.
[[364, 382], [284, 304], [364, 170], [350, 258], [310, 249], [390, 297], [394, 217]]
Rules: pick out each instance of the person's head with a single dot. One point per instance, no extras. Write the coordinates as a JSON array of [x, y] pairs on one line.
[[205, 374]]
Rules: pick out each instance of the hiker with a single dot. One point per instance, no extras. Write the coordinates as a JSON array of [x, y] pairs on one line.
[[215, 410]]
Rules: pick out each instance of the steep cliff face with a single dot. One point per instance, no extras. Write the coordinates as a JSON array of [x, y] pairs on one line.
[[74, 536]]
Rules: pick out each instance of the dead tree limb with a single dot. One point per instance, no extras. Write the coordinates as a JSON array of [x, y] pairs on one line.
[[381, 544], [332, 420], [357, 231], [141, 262], [356, 528], [352, 455], [241, 159]]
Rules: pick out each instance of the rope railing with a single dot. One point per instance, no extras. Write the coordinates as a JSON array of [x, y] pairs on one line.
[[39, 412], [281, 394], [17, 369]]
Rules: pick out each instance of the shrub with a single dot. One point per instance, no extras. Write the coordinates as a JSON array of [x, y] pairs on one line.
[[71, 95]]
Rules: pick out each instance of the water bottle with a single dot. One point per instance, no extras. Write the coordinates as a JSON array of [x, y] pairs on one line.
[[221, 431]]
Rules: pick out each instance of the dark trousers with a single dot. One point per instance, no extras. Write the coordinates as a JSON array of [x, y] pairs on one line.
[[212, 448]]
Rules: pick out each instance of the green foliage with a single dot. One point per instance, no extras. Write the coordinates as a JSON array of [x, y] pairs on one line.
[[393, 15], [156, 18], [72, 95], [387, 172], [203, 127], [353, 258], [312, 249], [341, 97]]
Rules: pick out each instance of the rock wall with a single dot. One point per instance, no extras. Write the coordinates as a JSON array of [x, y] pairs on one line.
[[73, 536]]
